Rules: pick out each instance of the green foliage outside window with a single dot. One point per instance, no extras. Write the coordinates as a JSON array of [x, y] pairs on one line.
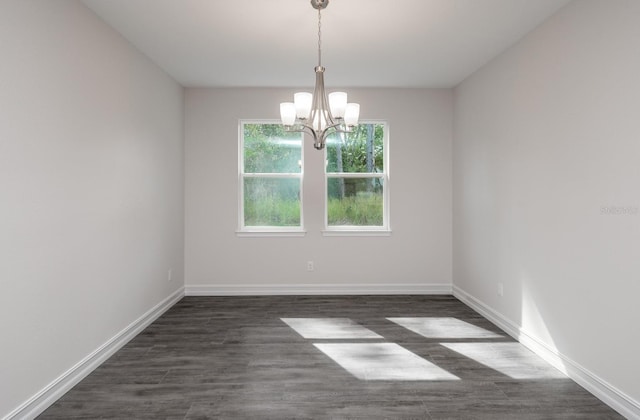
[[271, 202], [275, 200], [358, 151], [356, 201], [268, 149]]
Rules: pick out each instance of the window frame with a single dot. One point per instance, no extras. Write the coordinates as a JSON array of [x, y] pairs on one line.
[[354, 230], [258, 231]]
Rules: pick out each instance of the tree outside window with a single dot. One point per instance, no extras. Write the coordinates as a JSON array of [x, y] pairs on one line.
[[271, 180], [270, 176], [356, 178]]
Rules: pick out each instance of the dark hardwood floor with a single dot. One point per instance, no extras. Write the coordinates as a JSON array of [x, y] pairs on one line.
[[323, 357]]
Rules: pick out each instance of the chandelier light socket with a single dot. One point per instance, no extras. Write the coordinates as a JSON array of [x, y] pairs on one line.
[[319, 4]]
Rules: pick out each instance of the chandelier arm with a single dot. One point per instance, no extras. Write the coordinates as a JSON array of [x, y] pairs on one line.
[[303, 128], [309, 130], [338, 129]]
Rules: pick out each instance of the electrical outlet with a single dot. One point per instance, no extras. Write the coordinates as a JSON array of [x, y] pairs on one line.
[[169, 274], [500, 289], [310, 266]]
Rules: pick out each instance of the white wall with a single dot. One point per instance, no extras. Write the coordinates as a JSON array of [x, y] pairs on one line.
[[417, 256], [91, 194], [545, 137]]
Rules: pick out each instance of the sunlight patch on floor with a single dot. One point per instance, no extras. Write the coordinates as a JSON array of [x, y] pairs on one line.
[[510, 359], [443, 328], [329, 328], [383, 362]]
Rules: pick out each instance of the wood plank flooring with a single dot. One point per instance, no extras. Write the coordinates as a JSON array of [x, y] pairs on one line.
[[235, 358]]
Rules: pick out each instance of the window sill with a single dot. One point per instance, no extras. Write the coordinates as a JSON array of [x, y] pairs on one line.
[[356, 232], [270, 233]]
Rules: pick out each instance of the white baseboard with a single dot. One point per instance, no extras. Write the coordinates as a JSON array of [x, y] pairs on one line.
[[606, 392], [56, 389], [316, 289]]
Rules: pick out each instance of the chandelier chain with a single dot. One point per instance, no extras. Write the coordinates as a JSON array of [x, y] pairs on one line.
[[319, 38]]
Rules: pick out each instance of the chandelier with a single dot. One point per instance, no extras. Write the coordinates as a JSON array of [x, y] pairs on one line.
[[318, 114]]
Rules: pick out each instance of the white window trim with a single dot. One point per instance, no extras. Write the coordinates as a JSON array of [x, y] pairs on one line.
[[266, 231], [385, 229], [271, 231], [355, 231]]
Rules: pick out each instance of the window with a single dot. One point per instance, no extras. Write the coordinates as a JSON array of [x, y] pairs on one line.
[[271, 181], [357, 180], [270, 162]]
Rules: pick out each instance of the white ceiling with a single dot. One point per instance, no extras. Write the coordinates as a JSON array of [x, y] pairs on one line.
[[365, 43]]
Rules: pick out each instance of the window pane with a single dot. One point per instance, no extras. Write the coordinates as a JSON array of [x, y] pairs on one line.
[[355, 202], [358, 151], [272, 202], [268, 149]]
